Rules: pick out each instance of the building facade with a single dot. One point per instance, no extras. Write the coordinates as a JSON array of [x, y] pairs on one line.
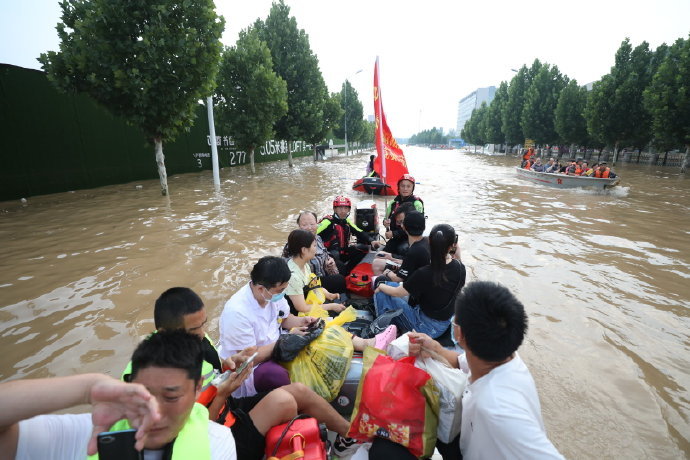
[[473, 101]]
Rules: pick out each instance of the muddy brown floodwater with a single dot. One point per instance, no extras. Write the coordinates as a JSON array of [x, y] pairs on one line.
[[605, 276]]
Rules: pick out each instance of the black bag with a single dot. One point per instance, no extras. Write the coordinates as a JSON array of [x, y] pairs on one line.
[[289, 345]]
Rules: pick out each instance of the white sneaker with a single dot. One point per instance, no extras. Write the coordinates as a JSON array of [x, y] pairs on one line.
[[344, 447]]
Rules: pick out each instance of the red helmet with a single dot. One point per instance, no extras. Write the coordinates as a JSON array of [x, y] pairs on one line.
[[407, 177], [342, 201]]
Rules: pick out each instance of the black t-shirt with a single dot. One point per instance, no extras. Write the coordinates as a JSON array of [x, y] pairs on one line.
[[210, 354], [436, 302], [417, 256]]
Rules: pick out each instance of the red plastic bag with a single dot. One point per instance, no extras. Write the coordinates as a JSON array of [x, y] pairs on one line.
[[359, 280], [302, 436], [396, 401]]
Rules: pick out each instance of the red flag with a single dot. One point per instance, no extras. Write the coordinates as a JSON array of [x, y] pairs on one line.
[[390, 163]]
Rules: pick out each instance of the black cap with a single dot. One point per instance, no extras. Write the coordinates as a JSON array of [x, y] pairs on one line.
[[414, 223]]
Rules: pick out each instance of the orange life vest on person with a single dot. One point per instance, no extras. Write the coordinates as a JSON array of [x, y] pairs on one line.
[[603, 175], [528, 165], [578, 170]]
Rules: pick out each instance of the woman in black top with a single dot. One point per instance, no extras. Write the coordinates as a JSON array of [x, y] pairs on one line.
[[432, 289]]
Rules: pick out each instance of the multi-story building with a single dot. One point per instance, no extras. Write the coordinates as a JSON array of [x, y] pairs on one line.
[[473, 101]]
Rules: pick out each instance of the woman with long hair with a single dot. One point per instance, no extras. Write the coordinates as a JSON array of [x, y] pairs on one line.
[[301, 248], [431, 289]]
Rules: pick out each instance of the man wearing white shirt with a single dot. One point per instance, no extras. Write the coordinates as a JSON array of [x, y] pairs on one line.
[[501, 414], [256, 316], [166, 376]]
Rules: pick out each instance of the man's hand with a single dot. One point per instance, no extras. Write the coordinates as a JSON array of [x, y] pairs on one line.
[[332, 296], [422, 345], [113, 400], [235, 360], [234, 381]]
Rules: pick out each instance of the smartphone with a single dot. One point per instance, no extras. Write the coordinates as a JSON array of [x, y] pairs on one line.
[[118, 445], [244, 365], [313, 325]]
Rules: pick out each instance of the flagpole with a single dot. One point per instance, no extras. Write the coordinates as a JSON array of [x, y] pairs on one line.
[[383, 147]]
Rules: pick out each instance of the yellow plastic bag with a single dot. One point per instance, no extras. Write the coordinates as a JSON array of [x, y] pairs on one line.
[[323, 364], [316, 294]]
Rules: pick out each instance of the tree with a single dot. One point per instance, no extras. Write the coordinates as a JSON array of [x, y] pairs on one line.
[[294, 61], [569, 120], [332, 114], [368, 132], [512, 111], [148, 61], [668, 99], [353, 111], [614, 111], [493, 122], [474, 129], [541, 99], [250, 96]]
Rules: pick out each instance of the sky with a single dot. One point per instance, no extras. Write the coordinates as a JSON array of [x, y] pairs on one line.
[[432, 53]]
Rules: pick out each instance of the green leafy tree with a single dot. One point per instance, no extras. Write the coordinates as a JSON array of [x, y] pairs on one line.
[[148, 61], [493, 122], [668, 99], [570, 122], [512, 111], [332, 114], [474, 130], [615, 113], [250, 96], [541, 99], [353, 111], [368, 132], [294, 61], [429, 136]]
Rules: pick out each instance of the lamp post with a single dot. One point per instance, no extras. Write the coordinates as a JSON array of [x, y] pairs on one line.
[[346, 150]]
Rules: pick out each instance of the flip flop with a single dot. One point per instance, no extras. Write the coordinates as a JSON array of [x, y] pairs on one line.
[[383, 339]]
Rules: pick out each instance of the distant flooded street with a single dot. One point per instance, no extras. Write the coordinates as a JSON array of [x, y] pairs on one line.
[[605, 277]]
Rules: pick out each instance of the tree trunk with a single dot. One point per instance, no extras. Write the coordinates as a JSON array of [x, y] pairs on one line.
[[615, 154], [684, 164], [251, 159], [290, 154], [639, 154], [160, 161], [663, 163]]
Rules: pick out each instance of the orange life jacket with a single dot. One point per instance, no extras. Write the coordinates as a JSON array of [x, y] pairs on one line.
[[604, 175], [578, 170]]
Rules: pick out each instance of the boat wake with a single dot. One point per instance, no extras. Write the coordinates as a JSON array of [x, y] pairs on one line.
[[618, 191]]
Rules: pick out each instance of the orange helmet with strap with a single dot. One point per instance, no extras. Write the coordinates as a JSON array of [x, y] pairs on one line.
[[342, 201]]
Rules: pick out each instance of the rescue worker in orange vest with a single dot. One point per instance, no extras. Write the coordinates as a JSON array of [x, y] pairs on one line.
[[526, 157], [604, 171]]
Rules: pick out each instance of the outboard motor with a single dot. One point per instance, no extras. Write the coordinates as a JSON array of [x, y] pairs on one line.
[[367, 217]]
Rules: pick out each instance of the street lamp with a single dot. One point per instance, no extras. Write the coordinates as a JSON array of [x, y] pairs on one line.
[[346, 150]]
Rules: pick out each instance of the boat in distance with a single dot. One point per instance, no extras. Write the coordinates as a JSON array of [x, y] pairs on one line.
[[558, 180]]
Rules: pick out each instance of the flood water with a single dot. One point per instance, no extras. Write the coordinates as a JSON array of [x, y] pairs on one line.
[[605, 277]]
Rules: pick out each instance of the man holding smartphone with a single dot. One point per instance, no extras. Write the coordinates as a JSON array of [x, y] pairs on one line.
[[160, 402], [251, 417]]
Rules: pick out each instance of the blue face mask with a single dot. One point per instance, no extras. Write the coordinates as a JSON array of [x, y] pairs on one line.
[[274, 297], [277, 297]]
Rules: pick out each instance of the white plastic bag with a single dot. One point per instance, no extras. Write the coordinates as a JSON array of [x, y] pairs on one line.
[[451, 382], [399, 348]]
